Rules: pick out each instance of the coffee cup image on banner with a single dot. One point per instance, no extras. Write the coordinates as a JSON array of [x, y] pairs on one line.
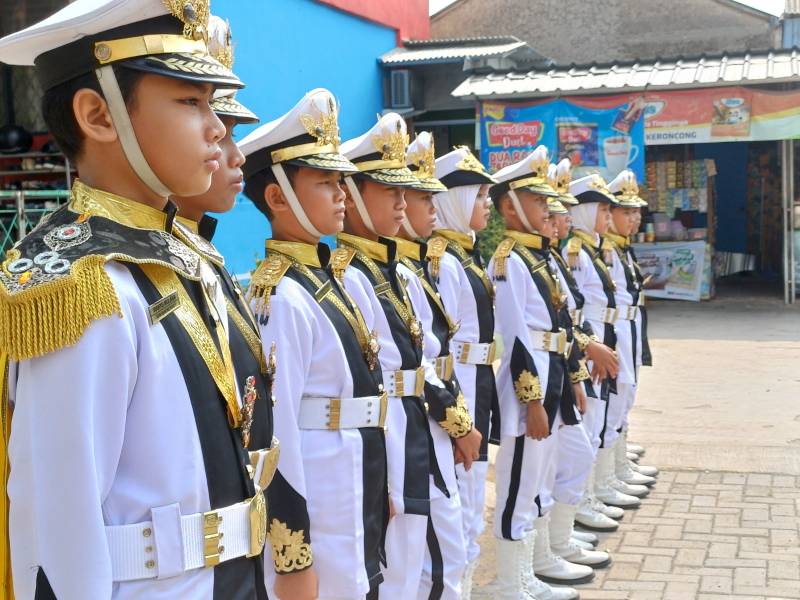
[[619, 152]]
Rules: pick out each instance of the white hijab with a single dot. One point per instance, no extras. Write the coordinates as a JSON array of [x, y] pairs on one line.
[[584, 217], [454, 207]]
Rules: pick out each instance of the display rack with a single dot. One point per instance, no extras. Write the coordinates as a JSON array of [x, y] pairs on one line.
[[19, 219]]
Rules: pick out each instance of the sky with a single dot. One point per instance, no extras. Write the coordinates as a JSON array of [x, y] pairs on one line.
[[774, 7]]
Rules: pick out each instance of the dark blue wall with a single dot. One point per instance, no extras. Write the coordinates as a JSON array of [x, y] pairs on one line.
[[285, 48], [731, 184]]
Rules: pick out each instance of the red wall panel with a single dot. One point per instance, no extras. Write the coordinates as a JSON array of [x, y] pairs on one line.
[[408, 17]]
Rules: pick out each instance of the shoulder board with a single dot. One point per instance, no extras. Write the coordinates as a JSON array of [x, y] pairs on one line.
[[437, 246], [574, 245], [341, 258], [500, 257], [266, 278]]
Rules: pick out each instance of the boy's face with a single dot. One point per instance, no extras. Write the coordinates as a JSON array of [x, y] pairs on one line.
[[321, 195], [637, 221], [420, 212], [603, 218], [562, 224], [535, 207], [226, 182], [385, 204], [481, 210], [178, 132], [623, 220]]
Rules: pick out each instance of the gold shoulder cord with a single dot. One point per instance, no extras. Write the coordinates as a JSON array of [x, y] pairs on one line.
[[366, 339], [540, 266], [384, 288], [468, 263], [432, 294], [220, 365], [250, 336], [6, 586], [595, 256]]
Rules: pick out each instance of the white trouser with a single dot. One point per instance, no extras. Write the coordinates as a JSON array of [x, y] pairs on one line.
[[631, 400], [618, 406], [405, 553], [445, 551], [472, 490], [593, 420], [523, 465], [575, 458]]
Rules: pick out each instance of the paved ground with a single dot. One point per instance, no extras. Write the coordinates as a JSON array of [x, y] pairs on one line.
[[720, 415]]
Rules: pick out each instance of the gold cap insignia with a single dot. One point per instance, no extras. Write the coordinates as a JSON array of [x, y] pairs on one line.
[[469, 162], [194, 15], [324, 127], [425, 161], [392, 146]]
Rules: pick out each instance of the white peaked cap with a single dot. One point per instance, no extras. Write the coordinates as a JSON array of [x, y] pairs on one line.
[[421, 159], [626, 189], [529, 174], [591, 188], [459, 167]]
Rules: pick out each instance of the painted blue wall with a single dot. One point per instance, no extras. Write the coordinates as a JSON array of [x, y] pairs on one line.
[[285, 48]]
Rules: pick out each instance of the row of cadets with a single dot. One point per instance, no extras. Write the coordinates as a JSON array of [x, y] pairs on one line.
[[366, 261], [625, 221], [450, 422], [467, 293], [111, 294], [332, 404], [534, 385]]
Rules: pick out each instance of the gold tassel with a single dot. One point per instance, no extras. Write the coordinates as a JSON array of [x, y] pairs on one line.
[[53, 315], [573, 252], [7, 589], [500, 257]]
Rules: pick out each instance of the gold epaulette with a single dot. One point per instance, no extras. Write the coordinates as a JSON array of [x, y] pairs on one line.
[[266, 277], [340, 260], [44, 312], [500, 257], [457, 420], [437, 246], [573, 252]]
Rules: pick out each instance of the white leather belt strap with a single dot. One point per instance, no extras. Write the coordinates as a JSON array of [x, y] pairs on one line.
[[410, 382], [576, 314], [171, 544], [549, 341], [342, 413], [473, 353], [263, 463], [641, 301], [604, 314], [444, 367], [627, 313]]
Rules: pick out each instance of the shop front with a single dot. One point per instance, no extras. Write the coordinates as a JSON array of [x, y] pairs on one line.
[[712, 144]]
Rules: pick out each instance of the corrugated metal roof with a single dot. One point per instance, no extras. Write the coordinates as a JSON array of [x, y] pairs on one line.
[[791, 8], [446, 50], [706, 71]]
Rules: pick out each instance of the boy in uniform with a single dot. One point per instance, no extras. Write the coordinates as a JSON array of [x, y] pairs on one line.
[[105, 294], [331, 410]]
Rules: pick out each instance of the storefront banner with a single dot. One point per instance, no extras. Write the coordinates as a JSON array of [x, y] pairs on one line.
[[597, 137], [676, 269]]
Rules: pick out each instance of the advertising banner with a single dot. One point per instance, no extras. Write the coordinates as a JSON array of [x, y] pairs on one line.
[[677, 270], [597, 137]]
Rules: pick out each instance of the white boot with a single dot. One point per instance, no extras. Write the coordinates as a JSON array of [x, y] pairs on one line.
[[633, 448], [580, 543], [634, 458], [550, 567], [623, 470], [466, 580], [561, 518], [586, 537], [511, 556], [535, 587], [603, 490], [646, 470], [587, 516]]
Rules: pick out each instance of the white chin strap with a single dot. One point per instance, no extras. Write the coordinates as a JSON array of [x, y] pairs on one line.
[[359, 202], [518, 207], [409, 229], [125, 133], [294, 203]]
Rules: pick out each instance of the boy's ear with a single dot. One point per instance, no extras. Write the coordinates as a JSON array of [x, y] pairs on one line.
[[276, 201], [92, 116]]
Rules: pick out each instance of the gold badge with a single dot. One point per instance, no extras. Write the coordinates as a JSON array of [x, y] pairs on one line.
[[258, 524], [371, 351], [415, 329], [248, 409]]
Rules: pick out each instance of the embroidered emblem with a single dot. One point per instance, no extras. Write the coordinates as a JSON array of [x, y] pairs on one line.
[[528, 388], [290, 552]]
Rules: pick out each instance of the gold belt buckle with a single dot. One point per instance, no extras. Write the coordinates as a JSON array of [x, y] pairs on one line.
[[562, 341], [448, 366], [490, 354], [270, 463], [399, 384], [258, 523], [419, 384], [463, 358], [547, 339], [384, 409], [211, 537], [334, 413]]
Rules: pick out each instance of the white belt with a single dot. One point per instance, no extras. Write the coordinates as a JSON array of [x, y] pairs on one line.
[[469, 353], [410, 382], [549, 341], [171, 544], [342, 413], [576, 314], [627, 313], [264, 463], [444, 367], [641, 298], [606, 314]]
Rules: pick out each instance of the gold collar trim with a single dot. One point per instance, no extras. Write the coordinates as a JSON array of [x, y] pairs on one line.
[[589, 238], [98, 203], [529, 240], [300, 251], [191, 225], [408, 249], [462, 239], [619, 240], [375, 250]]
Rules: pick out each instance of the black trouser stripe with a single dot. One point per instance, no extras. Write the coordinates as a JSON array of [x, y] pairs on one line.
[[513, 487], [605, 424], [43, 589], [437, 563]]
